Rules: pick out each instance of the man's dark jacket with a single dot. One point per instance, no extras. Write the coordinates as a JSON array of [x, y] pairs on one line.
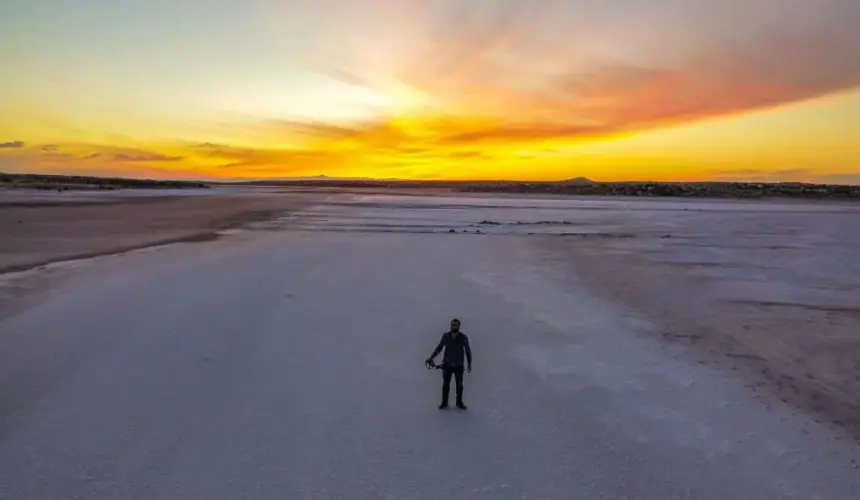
[[455, 347]]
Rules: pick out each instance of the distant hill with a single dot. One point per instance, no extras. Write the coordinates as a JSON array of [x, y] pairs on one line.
[[577, 181]]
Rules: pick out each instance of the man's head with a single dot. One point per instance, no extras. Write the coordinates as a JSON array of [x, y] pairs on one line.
[[455, 325]]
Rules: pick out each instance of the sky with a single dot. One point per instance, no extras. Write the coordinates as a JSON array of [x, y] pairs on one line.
[[761, 90]]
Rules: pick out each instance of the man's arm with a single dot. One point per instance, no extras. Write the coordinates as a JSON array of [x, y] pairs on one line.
[[438, 349], [468, 352]]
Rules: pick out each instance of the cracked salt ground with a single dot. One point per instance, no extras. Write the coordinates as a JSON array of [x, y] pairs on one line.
[[322, 394]]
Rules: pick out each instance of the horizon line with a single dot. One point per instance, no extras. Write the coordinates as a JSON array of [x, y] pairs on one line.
[[324, 178]]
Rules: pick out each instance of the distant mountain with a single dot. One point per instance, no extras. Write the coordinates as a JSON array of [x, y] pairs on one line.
[[577, 181]]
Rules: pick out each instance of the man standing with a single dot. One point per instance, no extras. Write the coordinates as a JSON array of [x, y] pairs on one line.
[[456, 345]]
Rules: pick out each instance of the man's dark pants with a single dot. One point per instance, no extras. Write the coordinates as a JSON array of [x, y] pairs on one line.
[[457, 372]]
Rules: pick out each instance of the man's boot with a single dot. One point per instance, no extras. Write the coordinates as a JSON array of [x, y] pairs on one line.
[[461, 406]]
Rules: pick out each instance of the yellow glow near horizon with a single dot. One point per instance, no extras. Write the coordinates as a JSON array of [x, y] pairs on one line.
[[803, 141]]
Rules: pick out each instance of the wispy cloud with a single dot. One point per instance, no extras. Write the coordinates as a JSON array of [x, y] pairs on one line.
[[89, 153], [144, 157], [696, 61], [12, 145]]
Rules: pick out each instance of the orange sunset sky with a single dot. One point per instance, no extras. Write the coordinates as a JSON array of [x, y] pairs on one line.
[[433, 89]]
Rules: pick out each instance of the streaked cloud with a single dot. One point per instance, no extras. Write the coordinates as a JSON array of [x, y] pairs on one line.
[[494, 60], [144, 157]]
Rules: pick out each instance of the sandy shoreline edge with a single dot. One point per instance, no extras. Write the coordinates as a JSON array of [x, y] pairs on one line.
[[198, 237], [41, 233]]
